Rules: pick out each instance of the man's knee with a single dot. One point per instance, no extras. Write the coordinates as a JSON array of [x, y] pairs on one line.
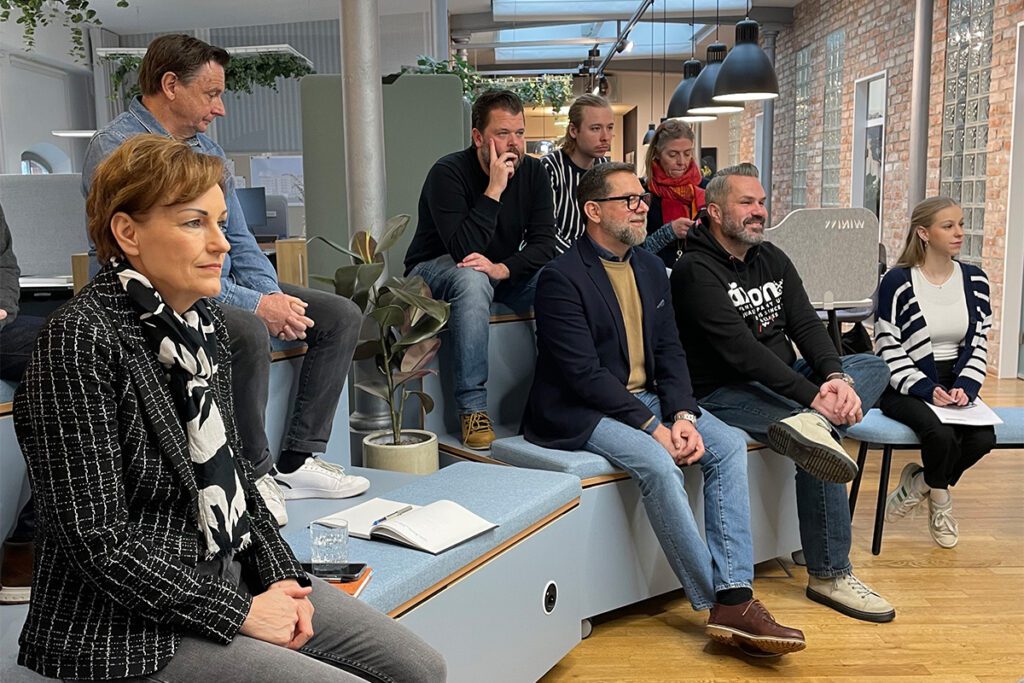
[[468, 285], [248, 335]]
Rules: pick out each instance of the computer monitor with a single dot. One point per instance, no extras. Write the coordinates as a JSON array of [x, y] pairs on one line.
[[254, 206]]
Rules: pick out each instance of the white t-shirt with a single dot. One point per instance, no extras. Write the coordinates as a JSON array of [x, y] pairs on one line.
[[944, 308]]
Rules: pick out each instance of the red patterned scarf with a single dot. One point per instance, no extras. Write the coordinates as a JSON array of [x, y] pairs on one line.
[[681, 197]]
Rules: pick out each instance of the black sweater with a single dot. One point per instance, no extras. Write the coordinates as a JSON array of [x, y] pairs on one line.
[[457, 218], [738, 320]]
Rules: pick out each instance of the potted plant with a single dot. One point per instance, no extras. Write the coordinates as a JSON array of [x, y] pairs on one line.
[[400, 333]]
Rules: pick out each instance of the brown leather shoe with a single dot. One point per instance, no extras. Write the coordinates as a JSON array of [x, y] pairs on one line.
[[477, 433], [750, 625], [16, 572]]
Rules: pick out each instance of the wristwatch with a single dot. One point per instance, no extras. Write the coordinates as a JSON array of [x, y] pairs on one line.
[[685, 415], [843, 376]]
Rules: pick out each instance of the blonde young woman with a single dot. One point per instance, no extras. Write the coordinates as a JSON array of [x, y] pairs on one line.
[[933, 320]]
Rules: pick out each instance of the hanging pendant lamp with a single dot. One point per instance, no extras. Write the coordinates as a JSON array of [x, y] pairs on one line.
[[746, 75], [701, 101], [679, 105]]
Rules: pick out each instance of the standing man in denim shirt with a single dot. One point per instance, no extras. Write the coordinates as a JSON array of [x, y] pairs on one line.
[[182, 81]]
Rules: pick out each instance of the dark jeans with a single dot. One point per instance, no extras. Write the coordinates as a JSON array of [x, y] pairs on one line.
[[947, 451], [351, 642], [16, 343], [822, 507], [331, 341]]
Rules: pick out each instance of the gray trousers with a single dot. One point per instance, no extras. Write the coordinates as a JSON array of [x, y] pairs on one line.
[[351, 642], [331, 341]]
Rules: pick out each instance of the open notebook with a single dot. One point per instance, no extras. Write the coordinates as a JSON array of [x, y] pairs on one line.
[[434, 528]]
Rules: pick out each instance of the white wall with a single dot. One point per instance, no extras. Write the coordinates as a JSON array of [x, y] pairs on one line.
[[40, 91]]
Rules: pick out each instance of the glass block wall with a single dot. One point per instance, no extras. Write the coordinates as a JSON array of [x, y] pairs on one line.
[[801, 128], [832, 126], [965, 117]]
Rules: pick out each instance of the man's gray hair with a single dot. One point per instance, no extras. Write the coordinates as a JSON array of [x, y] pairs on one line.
[[718, 189], [594, 183]]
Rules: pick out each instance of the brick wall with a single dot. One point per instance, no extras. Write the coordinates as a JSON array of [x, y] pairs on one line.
[[879, 36]]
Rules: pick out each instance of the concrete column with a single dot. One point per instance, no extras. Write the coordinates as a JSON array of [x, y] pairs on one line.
[[768, 132], [439, 12], [363, 119], [919, 103]]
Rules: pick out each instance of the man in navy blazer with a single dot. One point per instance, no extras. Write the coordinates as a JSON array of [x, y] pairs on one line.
[[611, 378]]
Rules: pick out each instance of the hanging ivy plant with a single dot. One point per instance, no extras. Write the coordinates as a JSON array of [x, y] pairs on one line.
[[553, 91], [243, 72], [74, 15]]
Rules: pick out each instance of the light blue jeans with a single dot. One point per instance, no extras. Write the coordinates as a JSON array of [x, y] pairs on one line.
[[823, 507], [470, 294], [726, 560]]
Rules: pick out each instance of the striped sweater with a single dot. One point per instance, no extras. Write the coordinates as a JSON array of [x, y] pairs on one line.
[[903, 342]]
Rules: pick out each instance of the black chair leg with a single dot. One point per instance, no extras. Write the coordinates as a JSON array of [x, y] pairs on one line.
[[883, 489], [862, 458]]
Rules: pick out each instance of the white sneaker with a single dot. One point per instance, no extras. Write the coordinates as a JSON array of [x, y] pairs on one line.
[[905, 498], [848, 595], [807, 438], [318, 478], [273, 497], [943, 525]]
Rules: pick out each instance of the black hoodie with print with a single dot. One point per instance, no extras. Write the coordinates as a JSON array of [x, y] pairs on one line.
[[738, 320]]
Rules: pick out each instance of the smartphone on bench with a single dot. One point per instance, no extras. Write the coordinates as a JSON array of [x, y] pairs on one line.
[[340, 573]]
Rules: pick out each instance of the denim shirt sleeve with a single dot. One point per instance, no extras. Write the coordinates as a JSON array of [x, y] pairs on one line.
[[247, 273], [100, 147], [659, 239]]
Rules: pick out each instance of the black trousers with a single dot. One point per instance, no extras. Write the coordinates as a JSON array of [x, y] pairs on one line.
[[947, 451]]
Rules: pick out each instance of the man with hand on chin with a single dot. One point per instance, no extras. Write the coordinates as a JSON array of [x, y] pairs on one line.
[[740, 308], [612, 379], [486, 227]]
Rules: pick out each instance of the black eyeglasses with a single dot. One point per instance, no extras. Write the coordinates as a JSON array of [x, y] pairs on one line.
[[632, 200]]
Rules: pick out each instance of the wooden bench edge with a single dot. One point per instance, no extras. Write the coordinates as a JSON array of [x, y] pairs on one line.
[[414, 602], [6, 408]]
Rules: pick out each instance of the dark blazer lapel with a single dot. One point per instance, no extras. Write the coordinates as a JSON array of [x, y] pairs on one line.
[[147, 375], [599, 277]]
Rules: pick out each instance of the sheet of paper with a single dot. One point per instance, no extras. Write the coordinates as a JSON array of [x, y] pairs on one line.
[[976, 414]]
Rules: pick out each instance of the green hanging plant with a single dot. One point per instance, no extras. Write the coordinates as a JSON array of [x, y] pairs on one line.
[[553, 91], [243, 73], [74, 15]]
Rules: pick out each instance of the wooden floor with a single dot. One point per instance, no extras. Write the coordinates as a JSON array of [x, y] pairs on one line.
[[959, 612]]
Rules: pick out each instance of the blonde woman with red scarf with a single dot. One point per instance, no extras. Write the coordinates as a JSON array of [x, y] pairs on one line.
[[673, 179]]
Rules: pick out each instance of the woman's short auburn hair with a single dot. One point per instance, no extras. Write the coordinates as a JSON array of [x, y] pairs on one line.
[[144, 172]]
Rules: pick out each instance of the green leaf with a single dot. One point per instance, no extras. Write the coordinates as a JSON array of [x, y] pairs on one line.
[[439, 310], [334, 245], [346, 281], [401, 378], [365, 246], [388, 316], [323, 279], [367, 349], [393, 231], [419, 355], [375, 387], [426, 403], [424, 329]]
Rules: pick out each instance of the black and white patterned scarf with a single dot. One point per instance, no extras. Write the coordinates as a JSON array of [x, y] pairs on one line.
[[186, 346]]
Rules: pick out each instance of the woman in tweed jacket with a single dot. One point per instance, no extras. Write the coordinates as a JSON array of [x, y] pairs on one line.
[[156, 558], [934, 316]]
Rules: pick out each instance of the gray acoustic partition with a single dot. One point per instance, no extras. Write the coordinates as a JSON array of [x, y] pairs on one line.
[[835, 251], [46, 214], [424, 119]]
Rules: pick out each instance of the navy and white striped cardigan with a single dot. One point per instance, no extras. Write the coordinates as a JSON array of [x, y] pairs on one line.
[[903, 342]]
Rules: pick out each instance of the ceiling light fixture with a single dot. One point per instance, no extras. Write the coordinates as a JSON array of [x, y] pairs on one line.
[[701, 101], [746, 75], [679, 105]]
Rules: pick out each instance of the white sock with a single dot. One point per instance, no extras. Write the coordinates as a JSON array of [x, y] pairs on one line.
[[940, 496], [918, 484]]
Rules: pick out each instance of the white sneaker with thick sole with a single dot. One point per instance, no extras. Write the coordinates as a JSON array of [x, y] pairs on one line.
[[273, 497], [849, 596], [806, 438], [943, 525], [318, 478], [905, 498]]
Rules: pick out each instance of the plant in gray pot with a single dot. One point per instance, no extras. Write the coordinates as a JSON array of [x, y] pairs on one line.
[[400, 332]]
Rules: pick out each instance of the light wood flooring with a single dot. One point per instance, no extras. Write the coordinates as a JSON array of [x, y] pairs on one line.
[[959, 612]]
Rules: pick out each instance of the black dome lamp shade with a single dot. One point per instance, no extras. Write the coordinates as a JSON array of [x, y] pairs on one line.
[[649, 135], [747, 74], [700, 97], [680, 102]]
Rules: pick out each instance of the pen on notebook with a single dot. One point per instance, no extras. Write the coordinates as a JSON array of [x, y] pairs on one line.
[[393, 514]]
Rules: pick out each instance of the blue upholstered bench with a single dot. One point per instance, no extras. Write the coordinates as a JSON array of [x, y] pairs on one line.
[[480, 603], [6, 392], [876, 431]]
